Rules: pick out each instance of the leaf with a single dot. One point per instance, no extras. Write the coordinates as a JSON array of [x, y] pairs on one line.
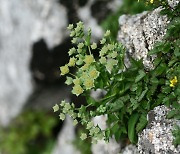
[[173, 113], [177, 51], [140, 76], [154, 80], [142, 94], [131, 127], [91, 100], [142, 123], [116, 105]]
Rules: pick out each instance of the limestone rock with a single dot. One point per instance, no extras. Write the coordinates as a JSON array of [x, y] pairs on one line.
[[65, 138], [130, 149], [112, 147], [157, 136], [22, 23], [140, 32]]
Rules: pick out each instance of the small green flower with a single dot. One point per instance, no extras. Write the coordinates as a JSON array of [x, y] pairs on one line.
[[79, 50], [75, 122], [63, 102], [89, 83], [77, 90], [67, 106], [56, 108], [70, 26], [102, 60], [77, 81], [84, 76], [79, 61], [89, 59], [94, 46], [74, 40], [83, 136], [114, 54], [107, 33], [90, 125], [72, 62], [93, 73], [80, 45], [62, 116], [69, 80], [110, 47], [80, 24], [110, 64], [64, 69], [73, 33], [103, 41], [72, 51], [85, 67], [103, 51], [96, 130]]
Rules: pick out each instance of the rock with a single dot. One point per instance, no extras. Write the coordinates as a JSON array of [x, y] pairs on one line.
[[130, 149], [65, 138], [157, 136], [111, 147], [140, 32], [173, 3], [22, 23]]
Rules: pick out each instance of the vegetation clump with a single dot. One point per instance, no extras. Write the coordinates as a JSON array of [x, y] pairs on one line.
[[130, 93]]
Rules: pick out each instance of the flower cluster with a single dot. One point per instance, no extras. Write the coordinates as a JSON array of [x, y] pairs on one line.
[[78, 115]]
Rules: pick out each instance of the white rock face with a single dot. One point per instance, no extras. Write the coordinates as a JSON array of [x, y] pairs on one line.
[[112, 147], [65, 138], [140, 32], [21, 23], [157, 137]]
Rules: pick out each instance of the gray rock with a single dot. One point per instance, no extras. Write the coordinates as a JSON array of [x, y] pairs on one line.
[[173, 3], [22, 23], [140, 32], [157, 137], [111, 147], [65, 138], [130, 149]]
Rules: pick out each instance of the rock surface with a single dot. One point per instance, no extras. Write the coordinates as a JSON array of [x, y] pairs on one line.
[[157, 137], [140, 32], [65, 138], [112, 147], [18, 31]]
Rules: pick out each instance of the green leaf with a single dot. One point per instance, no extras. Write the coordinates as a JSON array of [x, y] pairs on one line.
[[142, 123], [142, 94], [177, 51], [116, 105], [131, 127], [140, 76], [173, 113]]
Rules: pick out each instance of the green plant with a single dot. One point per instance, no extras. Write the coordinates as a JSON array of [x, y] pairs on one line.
[[28, 129], [130, 92]]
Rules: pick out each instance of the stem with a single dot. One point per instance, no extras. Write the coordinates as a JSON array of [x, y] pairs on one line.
[[72, 75]]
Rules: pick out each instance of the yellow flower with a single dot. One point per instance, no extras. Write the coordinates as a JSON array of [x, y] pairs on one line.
[[64, 69], [77, 90], [151, 1], [72, 62], [173, 81], [89, 59]]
